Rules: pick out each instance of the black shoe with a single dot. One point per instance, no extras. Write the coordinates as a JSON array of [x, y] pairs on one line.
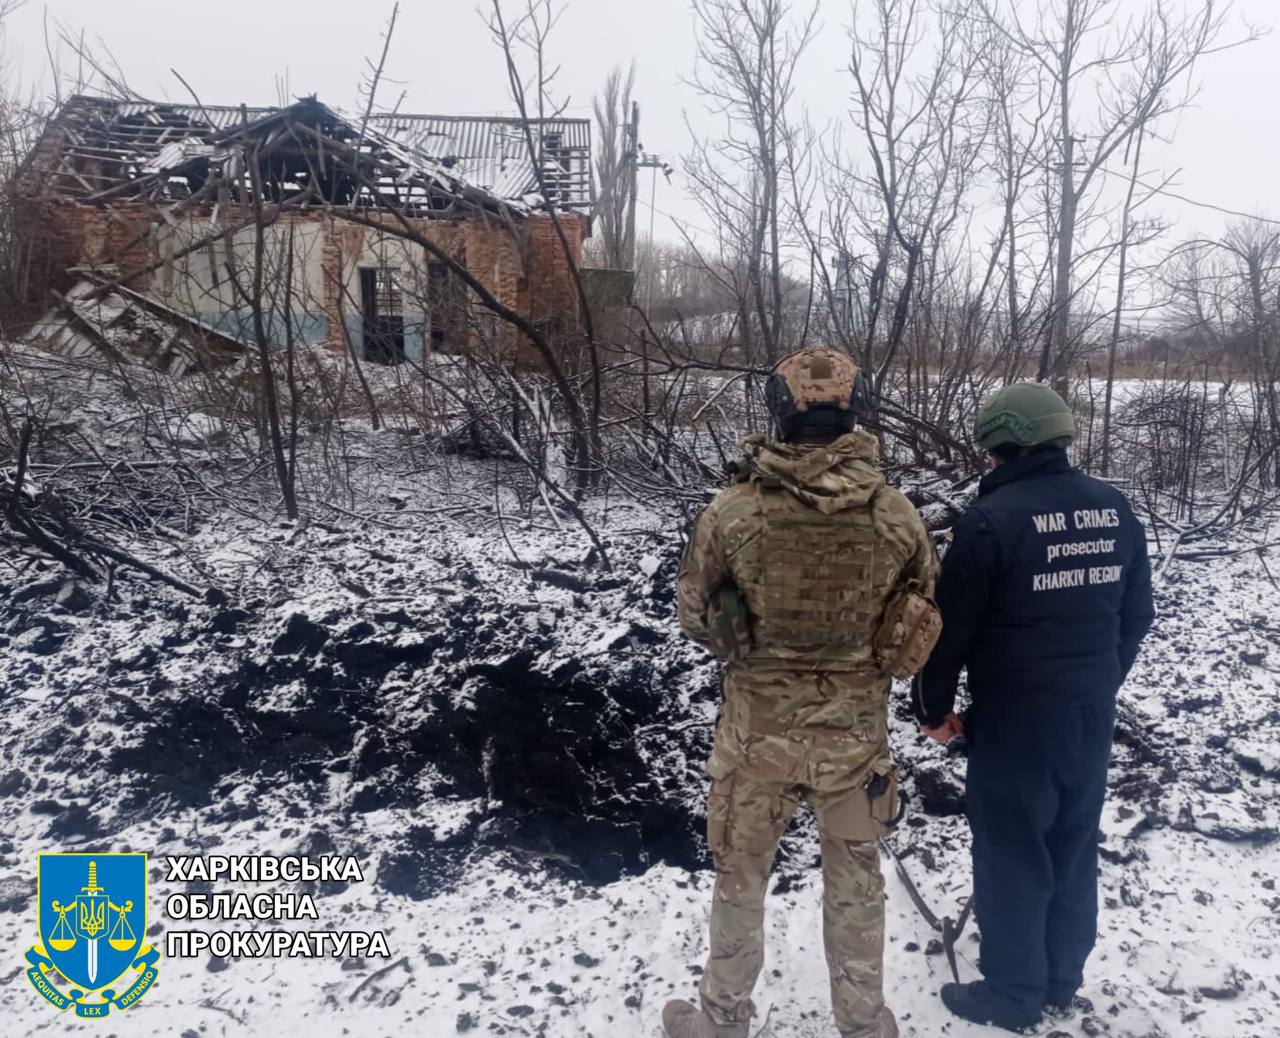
[[980, 1005], [1059, 1008]]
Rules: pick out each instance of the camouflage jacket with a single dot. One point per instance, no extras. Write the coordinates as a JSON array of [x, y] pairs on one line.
[[815, 542]]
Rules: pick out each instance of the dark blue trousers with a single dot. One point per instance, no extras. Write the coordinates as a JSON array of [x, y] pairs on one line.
[[1037, 779]]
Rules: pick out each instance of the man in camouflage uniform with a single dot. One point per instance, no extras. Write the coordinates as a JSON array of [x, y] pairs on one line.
[[785, 578]]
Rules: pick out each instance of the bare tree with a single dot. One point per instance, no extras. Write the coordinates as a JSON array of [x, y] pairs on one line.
[[616, 157], [1020, 105], [255, 297], [1255, 248], [748, 55], [923, 132], [1083, 49], [1126, 230], [531, 31]]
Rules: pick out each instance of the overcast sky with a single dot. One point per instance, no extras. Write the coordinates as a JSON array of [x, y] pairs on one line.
[[1227, 147]]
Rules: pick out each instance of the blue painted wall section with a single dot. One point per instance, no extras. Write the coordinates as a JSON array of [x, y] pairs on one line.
[[309, 326]]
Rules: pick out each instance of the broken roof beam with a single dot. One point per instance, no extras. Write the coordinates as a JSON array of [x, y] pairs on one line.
[[230, 343], [129, 327], [359, 165]]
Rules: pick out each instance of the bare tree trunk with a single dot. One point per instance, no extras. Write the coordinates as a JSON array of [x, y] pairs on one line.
[[1113, 346], [1054, 358], [344, 297], [533, 29], [271, 401], [290, 375]]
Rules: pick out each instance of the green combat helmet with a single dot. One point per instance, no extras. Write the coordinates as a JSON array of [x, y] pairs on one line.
[[1026, 414]]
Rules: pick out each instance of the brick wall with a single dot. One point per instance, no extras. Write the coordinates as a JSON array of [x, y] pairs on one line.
[[521, 263], [59, 235], [550, 293]]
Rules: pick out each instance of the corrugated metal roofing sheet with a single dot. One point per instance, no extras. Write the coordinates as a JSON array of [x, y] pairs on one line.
[[218, 117], [493, 152]]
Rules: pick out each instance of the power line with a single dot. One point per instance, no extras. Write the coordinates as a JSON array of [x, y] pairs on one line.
[[1209, 205], [676, 219]]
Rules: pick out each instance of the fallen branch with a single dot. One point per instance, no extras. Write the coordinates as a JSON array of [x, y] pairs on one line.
[[50, 508], [1205, 554], [378, 975], [122, 556], [32, 530]]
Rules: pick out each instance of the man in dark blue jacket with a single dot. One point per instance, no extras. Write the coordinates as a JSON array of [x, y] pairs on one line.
[[1045, 597]]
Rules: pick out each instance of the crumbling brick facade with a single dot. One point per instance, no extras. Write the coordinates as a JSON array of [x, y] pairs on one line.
[[59, 235], [522, 263], [155, 195]]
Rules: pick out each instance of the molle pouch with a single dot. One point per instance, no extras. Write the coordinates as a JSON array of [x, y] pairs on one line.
[[730, 623], [907, 633], [864, 815], [885, 796]]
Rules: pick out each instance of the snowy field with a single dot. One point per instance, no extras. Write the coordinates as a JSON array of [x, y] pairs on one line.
[[509, 932], [510, 738]]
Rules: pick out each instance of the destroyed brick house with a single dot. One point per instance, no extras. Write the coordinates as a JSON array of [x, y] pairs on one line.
[[137, 213]]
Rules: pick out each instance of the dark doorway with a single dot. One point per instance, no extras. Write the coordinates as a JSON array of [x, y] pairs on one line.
[[382, 310], [446, 308]]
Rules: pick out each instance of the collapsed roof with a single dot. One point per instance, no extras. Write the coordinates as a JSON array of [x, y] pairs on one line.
[[102, 317], [101, 149]]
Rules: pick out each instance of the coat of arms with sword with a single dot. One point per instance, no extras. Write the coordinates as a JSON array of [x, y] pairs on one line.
[[91, 920], [107, 928]]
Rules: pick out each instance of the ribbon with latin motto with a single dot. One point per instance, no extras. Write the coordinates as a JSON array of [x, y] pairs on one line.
[[40, 963]]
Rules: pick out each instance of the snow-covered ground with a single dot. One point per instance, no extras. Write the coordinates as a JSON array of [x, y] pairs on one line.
[[507, 939], [509, 738]]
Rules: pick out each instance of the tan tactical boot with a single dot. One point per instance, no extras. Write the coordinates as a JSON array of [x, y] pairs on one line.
[[681, 1019], [886, 1026]]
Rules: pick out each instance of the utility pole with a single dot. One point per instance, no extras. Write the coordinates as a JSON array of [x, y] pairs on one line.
[[654, 163], [631, 156]]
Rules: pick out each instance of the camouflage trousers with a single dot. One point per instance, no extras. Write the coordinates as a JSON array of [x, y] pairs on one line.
[[757, 785]]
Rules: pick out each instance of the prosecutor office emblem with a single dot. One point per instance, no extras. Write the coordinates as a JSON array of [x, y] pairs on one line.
[[93, 926]]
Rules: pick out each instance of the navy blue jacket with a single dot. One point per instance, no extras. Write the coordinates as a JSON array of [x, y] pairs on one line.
[[1045, 592]]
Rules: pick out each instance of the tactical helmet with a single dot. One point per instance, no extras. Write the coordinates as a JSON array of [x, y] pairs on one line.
[[1026, 414], [817, 388]]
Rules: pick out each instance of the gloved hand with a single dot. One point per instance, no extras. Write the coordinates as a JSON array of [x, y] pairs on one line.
[[949, 729], [729, 620]]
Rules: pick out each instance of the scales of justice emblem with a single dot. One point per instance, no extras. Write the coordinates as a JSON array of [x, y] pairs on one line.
[[93, 909]]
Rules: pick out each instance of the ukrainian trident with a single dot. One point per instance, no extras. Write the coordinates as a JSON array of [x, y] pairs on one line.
[[92, 908]]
